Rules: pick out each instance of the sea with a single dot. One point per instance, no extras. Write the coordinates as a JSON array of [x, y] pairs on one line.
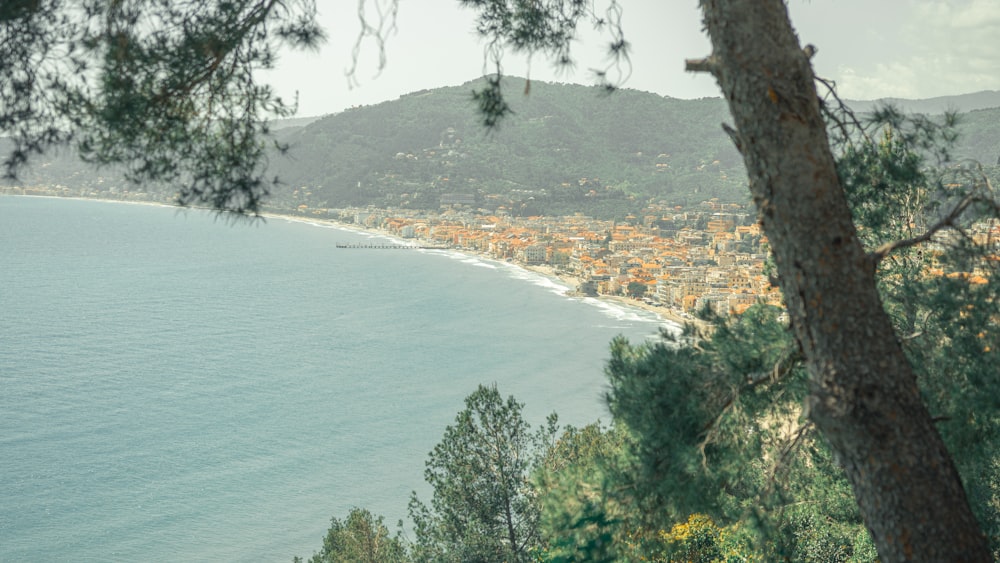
[[175, 386]]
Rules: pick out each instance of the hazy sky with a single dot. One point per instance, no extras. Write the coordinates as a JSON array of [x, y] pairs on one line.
[[885, 48]]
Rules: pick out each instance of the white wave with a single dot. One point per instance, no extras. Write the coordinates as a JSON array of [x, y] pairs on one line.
[[347, 228], [435, 251], [321, 224], [625, 313], [552, 284]]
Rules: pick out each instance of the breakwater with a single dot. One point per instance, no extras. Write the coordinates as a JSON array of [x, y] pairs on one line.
[[389, 246]]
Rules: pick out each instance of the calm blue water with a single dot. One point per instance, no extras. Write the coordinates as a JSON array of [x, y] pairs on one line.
[[174, 388]]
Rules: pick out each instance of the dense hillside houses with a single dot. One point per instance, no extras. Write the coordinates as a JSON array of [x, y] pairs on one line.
[[683, 260]]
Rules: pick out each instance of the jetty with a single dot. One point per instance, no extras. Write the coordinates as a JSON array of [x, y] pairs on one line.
[[389, 246]]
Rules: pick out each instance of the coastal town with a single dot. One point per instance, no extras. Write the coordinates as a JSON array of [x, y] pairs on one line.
[[676, 260]]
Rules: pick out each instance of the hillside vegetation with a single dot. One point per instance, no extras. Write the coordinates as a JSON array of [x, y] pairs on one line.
[[567, 148], [564, 144]]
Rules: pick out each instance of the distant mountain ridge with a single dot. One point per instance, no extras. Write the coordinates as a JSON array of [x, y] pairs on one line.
[[985, 99], [567, 148], [962, 103]]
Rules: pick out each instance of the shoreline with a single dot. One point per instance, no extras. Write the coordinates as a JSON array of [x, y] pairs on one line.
[[665, 316]]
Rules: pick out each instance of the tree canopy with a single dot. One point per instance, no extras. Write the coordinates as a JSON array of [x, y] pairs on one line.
[[168, 90], [483, 507], [361, 538]]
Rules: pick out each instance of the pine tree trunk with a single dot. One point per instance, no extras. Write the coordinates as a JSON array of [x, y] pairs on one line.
[[864, 397]]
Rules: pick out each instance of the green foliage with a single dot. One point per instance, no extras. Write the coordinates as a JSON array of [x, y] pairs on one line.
[[953, 347], [940, 294], [887, 188], [718, 432], [172, 96], [492, 105], [699, 540], [549, 28], [581, 518], [637, 289], [697, 406], [360, 538], [483, 506], [708, 427], [34, 91]]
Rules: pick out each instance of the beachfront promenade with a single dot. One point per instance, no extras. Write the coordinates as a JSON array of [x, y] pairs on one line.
[[674, 262], [389, 247]]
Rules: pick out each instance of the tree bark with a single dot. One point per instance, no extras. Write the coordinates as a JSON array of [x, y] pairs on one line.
[[864, 396]]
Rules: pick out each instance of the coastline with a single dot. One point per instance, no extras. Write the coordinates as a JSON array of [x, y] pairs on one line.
[[666, 316]]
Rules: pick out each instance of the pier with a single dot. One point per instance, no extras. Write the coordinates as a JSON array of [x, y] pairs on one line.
[[389, 246]]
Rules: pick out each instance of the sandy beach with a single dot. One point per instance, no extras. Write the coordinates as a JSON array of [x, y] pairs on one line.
[[666, 315]]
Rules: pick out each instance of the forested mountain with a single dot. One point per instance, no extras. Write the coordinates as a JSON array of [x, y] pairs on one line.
[[566, 148], [563, 144], [933, 106]]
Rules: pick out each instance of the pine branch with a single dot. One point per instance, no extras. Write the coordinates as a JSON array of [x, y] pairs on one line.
[[841, 124], [707, 64], [948, 221]]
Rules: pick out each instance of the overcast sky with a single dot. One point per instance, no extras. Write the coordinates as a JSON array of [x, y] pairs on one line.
[[886, 48]]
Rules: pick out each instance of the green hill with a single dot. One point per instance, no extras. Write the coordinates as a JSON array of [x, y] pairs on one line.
[[564, 146], [567, 148]]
